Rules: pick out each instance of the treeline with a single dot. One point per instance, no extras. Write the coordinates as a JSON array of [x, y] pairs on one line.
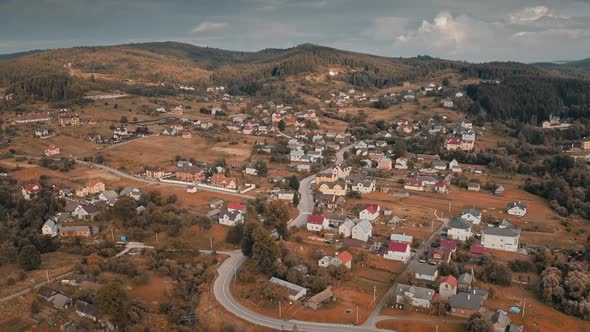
[[530, 99], [52, 87]]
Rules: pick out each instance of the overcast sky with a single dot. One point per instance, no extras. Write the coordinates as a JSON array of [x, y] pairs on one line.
[[472, 30]]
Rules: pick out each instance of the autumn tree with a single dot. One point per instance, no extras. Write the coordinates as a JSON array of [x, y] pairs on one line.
[[478, 323], [29, 258], [112, 301], [276, 213], [248, 238], [265, 251], [124, 208]]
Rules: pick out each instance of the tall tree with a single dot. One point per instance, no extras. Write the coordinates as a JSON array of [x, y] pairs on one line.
[[112, 301], [248, 238], [276, 213], [265, 251], [29, 258]]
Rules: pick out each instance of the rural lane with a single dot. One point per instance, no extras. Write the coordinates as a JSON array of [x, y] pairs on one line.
[[36, 286]]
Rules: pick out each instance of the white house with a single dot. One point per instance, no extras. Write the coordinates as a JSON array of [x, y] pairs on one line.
[[362, 231], [423, 271], [285, 195], [471, 215], [343, 258], [370, 212], [500, 238], [402, 238], [345, 229], [398, 251], [401, 163], [317, 223], [296, 155], [231, 218], [295, 291], [459, 229], [50, 228], [516, 209], [363, 186], [325, 261], [419, 296]]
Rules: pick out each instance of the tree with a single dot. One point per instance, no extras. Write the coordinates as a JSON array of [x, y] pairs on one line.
[[248, 238], [262, 169], [235, 234], [296, 199], [264, 251], [112, 301], [124, 119], [29, 258], [276, 213], [390, 300], [445, 82], [282, 125], [478, 323], [125, 208], [294, 183]]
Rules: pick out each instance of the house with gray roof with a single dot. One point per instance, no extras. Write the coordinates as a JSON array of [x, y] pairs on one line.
[[50, 228], [472, 215], [516, 209], [295, 291], [459, 229], [500, 238], [465, 304], [423, 271], [362, 231], [500, 321], [418, 296]]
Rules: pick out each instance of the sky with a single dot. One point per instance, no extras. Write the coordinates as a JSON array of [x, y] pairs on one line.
[[470, 30]]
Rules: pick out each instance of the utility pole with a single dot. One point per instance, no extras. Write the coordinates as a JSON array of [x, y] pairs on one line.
[[280, 313], [210, 242], [374, 293], [157, 240], [47, 275], [449, 206], [113, 234], [523, 307], [357, 315]]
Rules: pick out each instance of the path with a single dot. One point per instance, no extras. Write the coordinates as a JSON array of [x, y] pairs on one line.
[[28, 289]]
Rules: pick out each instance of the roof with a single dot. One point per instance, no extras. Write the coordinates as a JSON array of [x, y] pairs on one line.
[[445, 253], [372, 208], [449, 280], [477, 249], [365, 225], [349, 224], [316, 219], [398, 246], [287, 284], [344, 257], [449, 244], [414, 182], [516, 204], [232, 215], [466, 301], [401, 238], [32, 187], [423, 268], [472, 212], [51, 223], [86, 308], [236, 206], [496, 231], [465, 278], [321, 296], [417, 292], [92, 183], [459, 223], [75, 229]]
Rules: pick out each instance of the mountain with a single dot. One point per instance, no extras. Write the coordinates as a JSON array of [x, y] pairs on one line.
[[578, 68], [12, 56]]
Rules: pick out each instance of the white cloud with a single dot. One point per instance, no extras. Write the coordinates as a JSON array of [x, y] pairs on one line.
[[206, 26], [383, 28], [529, 14]]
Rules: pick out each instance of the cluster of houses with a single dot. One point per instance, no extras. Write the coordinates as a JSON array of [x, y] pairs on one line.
[[461, 138], [120, 134], [347, 98]]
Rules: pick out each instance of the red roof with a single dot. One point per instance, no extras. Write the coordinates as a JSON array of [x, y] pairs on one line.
[[398, 246], [414, 182], [318, 220], [449, 244], [373, 208], [236, 206], [477, 249], [33, 187], [345, 257], [453, 140], [449, 280], [440, 184]]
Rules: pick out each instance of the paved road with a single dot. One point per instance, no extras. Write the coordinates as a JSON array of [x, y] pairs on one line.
[[36, 286], [425, 320], [374, 317], [222, 292]]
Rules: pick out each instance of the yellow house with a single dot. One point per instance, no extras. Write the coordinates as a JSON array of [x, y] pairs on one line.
[[95, 187], [586, 143], [326, 176], [336, 188]]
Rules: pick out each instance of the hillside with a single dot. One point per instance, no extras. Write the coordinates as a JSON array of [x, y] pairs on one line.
[[578, 68]]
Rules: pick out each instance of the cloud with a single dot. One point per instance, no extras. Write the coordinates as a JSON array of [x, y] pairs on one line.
[[206, 26], [529, 15], [383, 28]]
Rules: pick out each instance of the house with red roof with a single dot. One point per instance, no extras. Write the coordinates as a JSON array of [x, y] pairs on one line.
[[453, 143], [447, 287], [232, 206], [343, 258], [370, 212], [398, 251], [52, 150], [223, 181], [441, 187], [317, 223], [30, 189], [477, 249], [414, 184], [449, 244]]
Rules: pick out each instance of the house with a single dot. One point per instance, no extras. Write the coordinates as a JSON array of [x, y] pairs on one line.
[[337, 188], [30, 190], [52, 150], [439, 255], [60, 301], [447, 103], [441, 187], [157, 172], [85, 212], [77, 231], [414, 184], [231, 218], [500, 238], [31, 117], [41, 132], [499, 191], [325, 176], [449, 244], [109, 196], [453, 143], [473, 186], [49, 228], [455, 167], [401, 163], [398, 251], [222, 181], [191, 189], [251, 169], [132, 192], [459, 229], [95, 187], [232, 206], [423, 271], [86, 310], [320, 298], [285, 195], [402, 238], [416, 296], [295, 291], [384, 163], [370, 212], [362, 231], [500, 321], [345, 229], [464, 282], [343, 258], [447, 287], [465, 304], [296, 155], [325, 261], [362, 186], [68, 120], [439, 165], [341, 171], [186, 171], [471, 215], [586, 143], [516, 209], [317, 223], [466, 124]]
